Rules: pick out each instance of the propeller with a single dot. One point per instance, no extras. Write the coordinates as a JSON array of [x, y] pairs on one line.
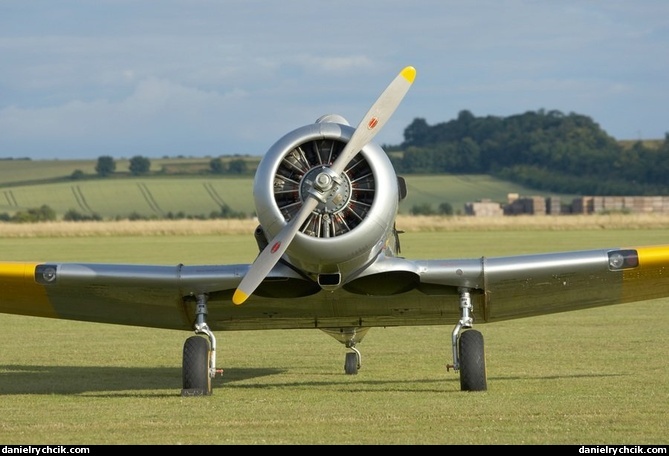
[[369, 126]]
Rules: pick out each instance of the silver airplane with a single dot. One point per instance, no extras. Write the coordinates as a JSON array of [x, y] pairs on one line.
[[326, 198]]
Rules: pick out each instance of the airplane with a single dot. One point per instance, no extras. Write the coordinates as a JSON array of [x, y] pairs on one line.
[[329, 258]]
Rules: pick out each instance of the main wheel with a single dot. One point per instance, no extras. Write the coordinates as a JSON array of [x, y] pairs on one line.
[[472, 362], [195, 369]]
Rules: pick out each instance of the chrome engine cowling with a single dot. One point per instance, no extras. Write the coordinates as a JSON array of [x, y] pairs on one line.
[[351, 223]]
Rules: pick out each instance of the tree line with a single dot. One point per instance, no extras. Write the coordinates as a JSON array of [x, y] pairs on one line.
[[45, 213], [139, 166], [545, 150]]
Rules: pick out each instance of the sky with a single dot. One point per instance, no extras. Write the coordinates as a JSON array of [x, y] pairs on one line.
[[82, 79]]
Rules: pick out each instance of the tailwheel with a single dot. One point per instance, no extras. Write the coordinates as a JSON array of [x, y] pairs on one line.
[[352, 363], [195, 369], [472, 361], [350, 337]]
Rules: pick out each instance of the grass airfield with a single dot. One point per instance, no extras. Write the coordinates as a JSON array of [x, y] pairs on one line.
[[598, 376]]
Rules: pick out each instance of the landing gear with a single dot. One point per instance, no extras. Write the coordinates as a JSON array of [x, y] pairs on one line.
[[468, 349], [199, 355], [350, 337], [195, 368], [352, 362], [472, 362]]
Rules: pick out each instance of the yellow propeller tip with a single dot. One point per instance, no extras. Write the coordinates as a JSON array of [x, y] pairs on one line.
[[409, 73], [239, 297]]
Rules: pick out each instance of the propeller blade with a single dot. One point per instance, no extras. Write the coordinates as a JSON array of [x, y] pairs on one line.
[[376, 117], [369, 126], [271, 254]]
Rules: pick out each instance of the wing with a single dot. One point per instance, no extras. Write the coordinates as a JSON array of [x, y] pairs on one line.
[[140, 295], [391, 292], [528, 285]]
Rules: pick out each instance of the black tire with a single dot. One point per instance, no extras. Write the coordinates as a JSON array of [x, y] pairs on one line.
[[472, 362], [195, 369], [351, 363]]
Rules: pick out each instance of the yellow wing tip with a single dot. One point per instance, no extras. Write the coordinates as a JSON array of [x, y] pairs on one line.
[[239, 297], [409, 73]]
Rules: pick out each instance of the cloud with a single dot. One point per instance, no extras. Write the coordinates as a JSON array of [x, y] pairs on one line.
[[218, 76]]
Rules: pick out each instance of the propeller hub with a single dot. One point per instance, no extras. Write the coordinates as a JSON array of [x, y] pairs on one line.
[[323, 182], [331, 190]]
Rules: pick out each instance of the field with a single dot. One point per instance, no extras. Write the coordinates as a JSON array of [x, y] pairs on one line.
[[598, 376], [39, 171], [28, 184], [192, 195]]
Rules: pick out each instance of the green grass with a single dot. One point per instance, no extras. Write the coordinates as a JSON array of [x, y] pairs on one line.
[[18, 171], [193, 195], [120, 197], [14, 171], [598, 376]]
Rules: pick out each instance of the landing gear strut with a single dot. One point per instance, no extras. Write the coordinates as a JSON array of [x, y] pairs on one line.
[[468, 349], [199, 355]]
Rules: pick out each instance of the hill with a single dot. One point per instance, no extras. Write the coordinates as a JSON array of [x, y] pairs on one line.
[[26, 184]]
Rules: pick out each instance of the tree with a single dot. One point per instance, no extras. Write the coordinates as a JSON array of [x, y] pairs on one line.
[[417, 133], [445, 209], [217, 166], [238, 166], [105, 166], [139, 165], [73, 215], [422, 209], [77, 174], [42, 214]]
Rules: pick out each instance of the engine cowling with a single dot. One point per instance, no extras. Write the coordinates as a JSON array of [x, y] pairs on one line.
[[351, 224]]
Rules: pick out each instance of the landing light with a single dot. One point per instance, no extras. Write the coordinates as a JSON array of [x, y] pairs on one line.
[[45, 273], [623, 259]]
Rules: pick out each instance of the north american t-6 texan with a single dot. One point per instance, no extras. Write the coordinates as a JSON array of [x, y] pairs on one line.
[[326, 198]]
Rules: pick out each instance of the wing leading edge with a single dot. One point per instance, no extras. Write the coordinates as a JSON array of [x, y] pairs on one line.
[[391, 292]]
